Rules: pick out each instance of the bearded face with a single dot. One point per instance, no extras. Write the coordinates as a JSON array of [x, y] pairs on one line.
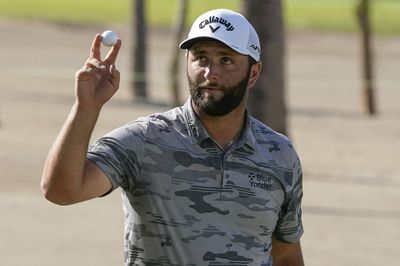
[[231, 97]]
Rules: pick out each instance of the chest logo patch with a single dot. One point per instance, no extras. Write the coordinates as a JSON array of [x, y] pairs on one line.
[[257, 180]]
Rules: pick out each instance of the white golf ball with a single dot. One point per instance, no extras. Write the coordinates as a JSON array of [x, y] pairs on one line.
[[109, 38]]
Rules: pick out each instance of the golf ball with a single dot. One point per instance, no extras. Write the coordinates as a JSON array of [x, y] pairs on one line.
[[109, 38]]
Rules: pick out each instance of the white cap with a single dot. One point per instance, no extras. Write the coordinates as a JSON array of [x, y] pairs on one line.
[[228, 27]]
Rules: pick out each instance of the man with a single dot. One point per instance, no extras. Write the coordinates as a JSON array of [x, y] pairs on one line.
[[202, 184]]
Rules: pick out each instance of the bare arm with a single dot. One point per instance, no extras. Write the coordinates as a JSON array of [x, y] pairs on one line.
[[284, 254], [68, 177]]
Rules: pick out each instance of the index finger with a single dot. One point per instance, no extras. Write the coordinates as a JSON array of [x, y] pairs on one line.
[[113, 53], [95, 49]]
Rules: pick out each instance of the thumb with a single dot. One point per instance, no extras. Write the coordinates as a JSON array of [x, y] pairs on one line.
[[114, 76]]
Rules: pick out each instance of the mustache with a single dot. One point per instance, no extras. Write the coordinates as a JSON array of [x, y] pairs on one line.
[[208, 84]]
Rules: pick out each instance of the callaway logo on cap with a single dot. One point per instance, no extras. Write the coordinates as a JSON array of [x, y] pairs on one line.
[[228, 27]]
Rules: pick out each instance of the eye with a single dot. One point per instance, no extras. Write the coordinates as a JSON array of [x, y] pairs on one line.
[[201, 58], [226, 60]]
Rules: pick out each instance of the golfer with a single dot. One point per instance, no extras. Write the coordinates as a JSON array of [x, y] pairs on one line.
[[204, 183]]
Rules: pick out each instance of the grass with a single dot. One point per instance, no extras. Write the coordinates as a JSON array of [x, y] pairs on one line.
[[340, 15], [71, 11], [326, 15]]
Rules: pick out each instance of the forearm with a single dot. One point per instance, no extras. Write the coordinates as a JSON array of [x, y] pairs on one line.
[[284, 254], [64, 167], [293, 261]]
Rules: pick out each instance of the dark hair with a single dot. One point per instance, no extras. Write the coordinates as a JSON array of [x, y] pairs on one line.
[[251, 60]]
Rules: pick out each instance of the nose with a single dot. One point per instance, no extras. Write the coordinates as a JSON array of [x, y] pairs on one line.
[[212, 71]]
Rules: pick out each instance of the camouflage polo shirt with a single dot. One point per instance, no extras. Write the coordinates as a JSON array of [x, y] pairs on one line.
[[188, 202]]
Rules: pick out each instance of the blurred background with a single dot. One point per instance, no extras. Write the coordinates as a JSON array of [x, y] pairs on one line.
[[331, 83]]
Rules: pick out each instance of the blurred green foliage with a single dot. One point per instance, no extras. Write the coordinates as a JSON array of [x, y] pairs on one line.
[[337, 15]]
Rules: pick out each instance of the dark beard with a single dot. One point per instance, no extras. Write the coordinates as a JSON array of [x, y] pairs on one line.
[[231, 99]]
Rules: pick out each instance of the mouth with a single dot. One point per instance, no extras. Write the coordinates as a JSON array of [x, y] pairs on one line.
[[211, 92], [209, 88]]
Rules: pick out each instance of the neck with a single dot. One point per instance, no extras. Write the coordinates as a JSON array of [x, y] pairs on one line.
[[223, 129]]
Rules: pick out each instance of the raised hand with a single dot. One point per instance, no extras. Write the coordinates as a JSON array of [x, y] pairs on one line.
[[98, 80]]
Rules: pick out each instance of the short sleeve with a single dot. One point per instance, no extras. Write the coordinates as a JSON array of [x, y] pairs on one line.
[[289, 228], [119, 154]]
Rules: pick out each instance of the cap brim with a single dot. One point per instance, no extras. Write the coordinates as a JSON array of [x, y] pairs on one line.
[[188, 43]]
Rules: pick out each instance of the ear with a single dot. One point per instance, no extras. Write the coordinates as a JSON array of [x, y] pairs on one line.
[[254, 74]]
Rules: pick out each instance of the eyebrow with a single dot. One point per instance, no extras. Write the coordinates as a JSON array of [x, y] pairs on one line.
[[200, 50]]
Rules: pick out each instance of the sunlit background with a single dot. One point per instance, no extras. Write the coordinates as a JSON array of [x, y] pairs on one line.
[[350, 159]]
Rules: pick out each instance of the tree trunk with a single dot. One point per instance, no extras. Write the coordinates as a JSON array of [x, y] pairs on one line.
[[267, 98], [174, 67], [365, 27], [139, 51]]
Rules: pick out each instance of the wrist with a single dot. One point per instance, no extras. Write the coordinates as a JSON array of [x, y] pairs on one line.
[[86, 109], [85, 116], [83, 119]]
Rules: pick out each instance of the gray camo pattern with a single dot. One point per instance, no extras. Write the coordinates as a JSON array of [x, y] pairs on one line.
[[188, 202]]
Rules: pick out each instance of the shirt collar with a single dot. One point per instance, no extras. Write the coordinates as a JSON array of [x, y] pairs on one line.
[[197, 132], [247, 137]]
